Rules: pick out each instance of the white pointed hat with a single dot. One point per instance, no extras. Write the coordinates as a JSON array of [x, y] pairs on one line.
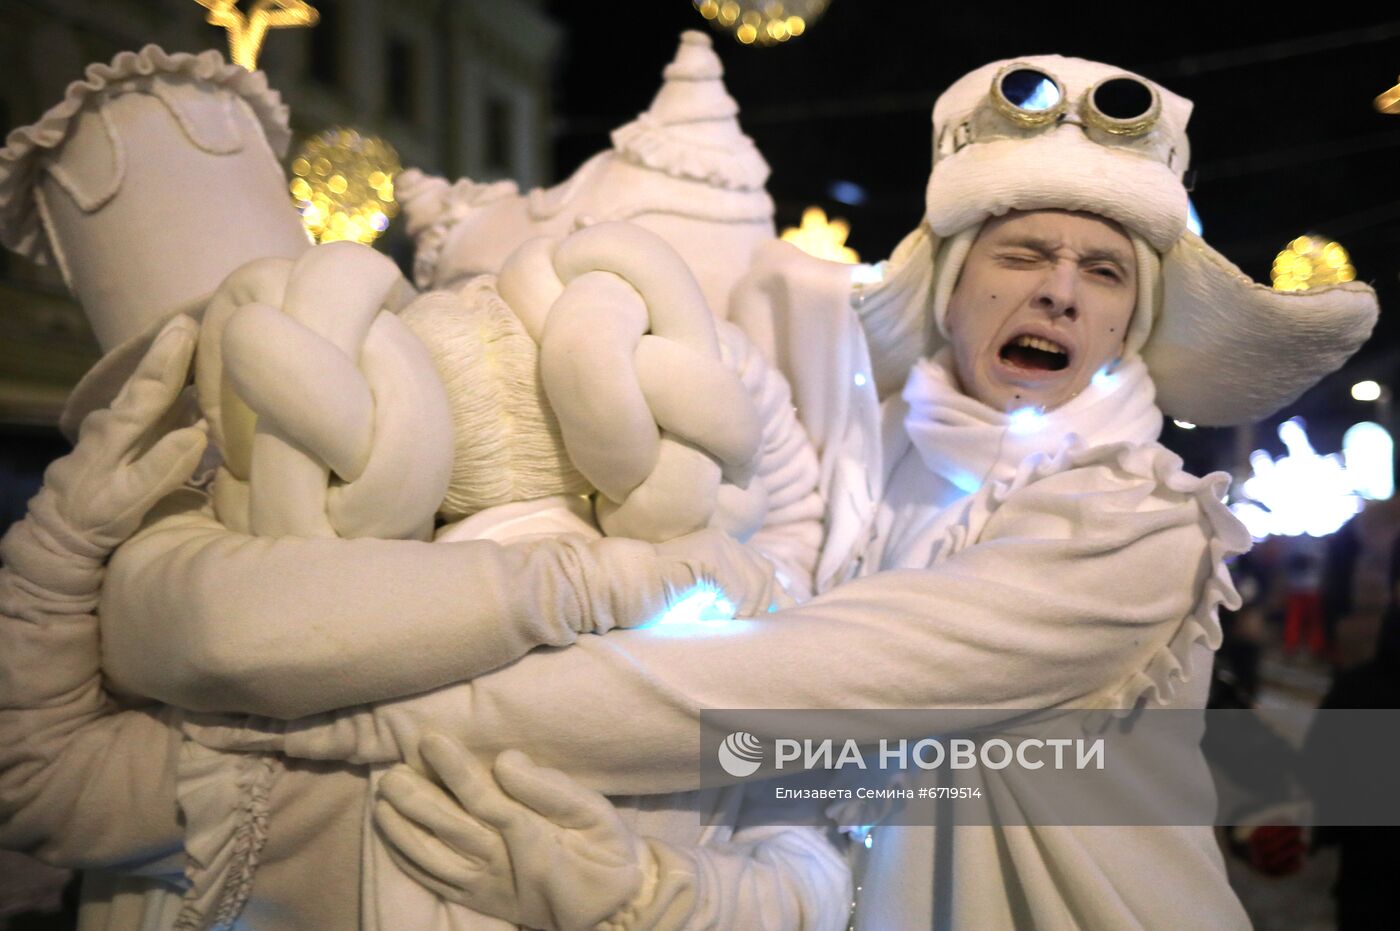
[[1048, 132], [691, 130], [155, 176]]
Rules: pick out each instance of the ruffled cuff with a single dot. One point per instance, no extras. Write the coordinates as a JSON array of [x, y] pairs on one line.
[[647, 141], [1171, 665], [20, 226], [224, 800], [433, 209]]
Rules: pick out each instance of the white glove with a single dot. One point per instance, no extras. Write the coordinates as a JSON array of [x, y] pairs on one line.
[[125, 460], [715, 558], [535, 848], [529, 846]]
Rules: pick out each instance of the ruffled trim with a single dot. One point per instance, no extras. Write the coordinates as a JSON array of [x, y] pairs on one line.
[[1171, 665], [20, 227], [224, 800], [650, 143], [433, 208]]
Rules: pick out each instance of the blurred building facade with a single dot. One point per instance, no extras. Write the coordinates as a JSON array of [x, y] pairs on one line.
[[459, 87]]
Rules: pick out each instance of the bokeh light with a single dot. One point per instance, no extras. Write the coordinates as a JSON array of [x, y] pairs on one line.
[[1311, 261], [761, 22], [1366, 391], [343, 186]]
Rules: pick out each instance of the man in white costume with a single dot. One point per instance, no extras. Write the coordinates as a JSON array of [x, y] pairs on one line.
[[1107, 557], [1080, 566]]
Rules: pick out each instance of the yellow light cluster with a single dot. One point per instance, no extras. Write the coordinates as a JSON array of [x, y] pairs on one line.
[[246, 32], [762, 22], [343, 186], [823, 238], [1311, 262]]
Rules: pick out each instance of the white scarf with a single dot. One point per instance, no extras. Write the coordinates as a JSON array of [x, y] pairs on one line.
[[961, 444]]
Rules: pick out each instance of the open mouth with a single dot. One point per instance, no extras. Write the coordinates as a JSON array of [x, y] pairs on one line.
[[1035, 353]]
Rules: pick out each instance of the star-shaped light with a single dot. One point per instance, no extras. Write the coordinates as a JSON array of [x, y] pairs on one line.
[[247, 31], [826, 239]]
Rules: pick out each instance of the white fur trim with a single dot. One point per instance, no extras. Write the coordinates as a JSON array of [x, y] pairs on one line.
[[1059, 169]]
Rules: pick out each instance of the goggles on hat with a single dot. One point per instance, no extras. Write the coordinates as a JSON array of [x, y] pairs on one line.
[[1119, 110]]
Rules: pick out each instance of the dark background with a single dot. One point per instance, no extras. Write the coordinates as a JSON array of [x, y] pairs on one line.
[[1284, 136]]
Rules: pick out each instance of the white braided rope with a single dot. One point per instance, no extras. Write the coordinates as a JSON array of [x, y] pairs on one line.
[[328, 410], [631, 364]]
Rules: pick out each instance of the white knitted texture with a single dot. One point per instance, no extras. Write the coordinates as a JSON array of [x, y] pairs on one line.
[[506, 441]]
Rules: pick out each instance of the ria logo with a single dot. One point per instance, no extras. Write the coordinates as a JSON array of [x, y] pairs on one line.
[[741, 754]]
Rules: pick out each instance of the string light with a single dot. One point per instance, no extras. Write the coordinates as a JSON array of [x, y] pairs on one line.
[[1298, 493], [247, 32], [761, 22], [823, 238], [1310, 262], [1369, 453], [343, 186], [701, 604]]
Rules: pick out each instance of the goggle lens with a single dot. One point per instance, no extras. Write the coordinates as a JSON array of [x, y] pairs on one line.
[[1123, 99], [1030, 90]]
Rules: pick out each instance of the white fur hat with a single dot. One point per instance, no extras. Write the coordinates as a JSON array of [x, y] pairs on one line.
[[1222, 348], [153, 178]]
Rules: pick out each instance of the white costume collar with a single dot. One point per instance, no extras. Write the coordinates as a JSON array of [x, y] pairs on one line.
[[969, 443]]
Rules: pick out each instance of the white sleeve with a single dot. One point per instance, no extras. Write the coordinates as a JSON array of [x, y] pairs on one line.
[[1093, 576], [791, 533], [763, 879], [290, 626], [83, 783]]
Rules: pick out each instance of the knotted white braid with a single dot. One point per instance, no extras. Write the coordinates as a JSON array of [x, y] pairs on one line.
[[631, 364], [329, 413]]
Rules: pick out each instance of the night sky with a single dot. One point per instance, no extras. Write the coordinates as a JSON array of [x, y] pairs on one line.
[[1284, 136]]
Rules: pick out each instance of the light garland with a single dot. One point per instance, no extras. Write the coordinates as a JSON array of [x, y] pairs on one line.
[[343, 186], [762, 22], [247, 32], [1310, 262]]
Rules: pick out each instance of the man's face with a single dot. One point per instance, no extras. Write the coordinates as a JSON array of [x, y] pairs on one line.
[[1043, 303]]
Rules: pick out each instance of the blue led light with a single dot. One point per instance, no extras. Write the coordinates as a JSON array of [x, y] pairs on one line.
[[1026, 420], [701, 604], [1104, 380], [847, 192]]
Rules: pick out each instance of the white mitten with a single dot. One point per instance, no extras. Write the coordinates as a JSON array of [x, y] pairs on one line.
[[525, 844]]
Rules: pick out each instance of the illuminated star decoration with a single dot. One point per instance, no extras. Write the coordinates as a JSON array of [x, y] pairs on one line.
[[246, 32], [1389, 102], [823, 238]]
